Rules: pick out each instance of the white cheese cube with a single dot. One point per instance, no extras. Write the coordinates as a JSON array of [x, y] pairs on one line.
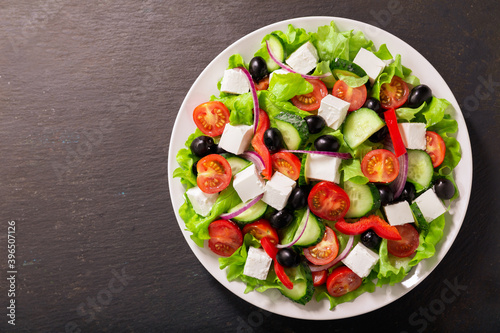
[[430, 205], [323, 167], [278, 190], [333, 110], [361, 260], [370, 63], [248, 183], [399, 213], [257, 264], [202, 202], [278, 71], [304, 59], [413, 135], [235, 139], [234, 82]]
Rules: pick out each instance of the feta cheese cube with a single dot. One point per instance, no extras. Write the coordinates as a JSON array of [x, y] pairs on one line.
[[202, 202], [304, 59], [399, 213], [413, 135], [361, 260], [235, 139], [278, 71], [430, 205], [248, 183], [234, 81], [278, 190], [370, 63], [322, 167], [257, 264], [333, 110]]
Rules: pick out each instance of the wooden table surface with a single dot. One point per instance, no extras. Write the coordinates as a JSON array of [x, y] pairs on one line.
[[89, 91]]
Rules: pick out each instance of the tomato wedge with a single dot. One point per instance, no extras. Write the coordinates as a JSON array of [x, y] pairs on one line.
[[211, 117], [287, 163], [225, 237], [259, 146], [380, 166], [260, 229], [328, 201], [263, 84], [394, 94], [355, 96], [319, 278], [311, 101], [407, 245], [214, 173], [435, 148], [341, 281], [271, 251], [325, 251]]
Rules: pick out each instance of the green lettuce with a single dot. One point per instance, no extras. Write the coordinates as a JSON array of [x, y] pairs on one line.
[[352, 171], [330, 43], [323, 67], [353, 81], [395, 68], [383, 53], [435, 111], [186, 159], [287, 86], [409, 113], [446, 127], [356, 42]]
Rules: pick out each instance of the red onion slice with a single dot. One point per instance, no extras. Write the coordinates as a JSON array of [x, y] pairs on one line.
[[255, 158], [348, 247], [282, 246], [398, 184], [228, 216], [288, 69], [343, 156], [255, 99]]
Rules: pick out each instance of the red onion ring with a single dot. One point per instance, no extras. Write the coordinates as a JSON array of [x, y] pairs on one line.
[[255, 99], [228, 216], [282, 246], [340, 257], [343, 156], [255, 158], [398, 184]]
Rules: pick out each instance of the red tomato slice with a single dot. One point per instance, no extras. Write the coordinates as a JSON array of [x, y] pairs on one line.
[[328, 201], [287, 163], [355, 96], [262, 228], [435, 148], [394, 94], [319, 278], [214, 173], [325, 251], [380, 166], [225, 237], [211, 117], [259, 145], [341, 281], [311, 101], [407, 245], [262, 84]]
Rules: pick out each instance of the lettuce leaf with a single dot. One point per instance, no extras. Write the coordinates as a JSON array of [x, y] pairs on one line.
[[292, 39], [352, 171], [287, 86], [409, 113], [353, 81], [445, 128], [386, 76], [356, 42], [383, 53], [435, 111], [186, 159], [323, 67], [330, 43]]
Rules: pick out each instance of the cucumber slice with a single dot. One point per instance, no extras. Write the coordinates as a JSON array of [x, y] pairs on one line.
[[420, 220], [360, 125], [293, 129], [313, 234], [364, 199], [303, 171], [237, 163], [346, 67], [278, 51], [251, 214], [420, 169], [303, 287]]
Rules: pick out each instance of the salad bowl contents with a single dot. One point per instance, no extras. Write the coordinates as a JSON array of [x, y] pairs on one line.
[[320, 168]]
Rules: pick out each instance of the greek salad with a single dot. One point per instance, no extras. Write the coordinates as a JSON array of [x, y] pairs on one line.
[[322, 169]]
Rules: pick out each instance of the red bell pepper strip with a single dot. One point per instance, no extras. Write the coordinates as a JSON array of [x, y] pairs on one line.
[[374, 222], [392, 125], [259, 146], [271, 251]]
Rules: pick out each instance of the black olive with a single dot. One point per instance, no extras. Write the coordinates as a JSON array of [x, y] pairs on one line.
[[444, 188], [287, 257], [374, 104], [273, 139], [386, 194], [258, 68], [379, 135], [408, 193], [281, 219], [327, 143], [315, 124], [419, 95], [370, 239], [219, 150], [203, 146], [298, 198], [194, 169]]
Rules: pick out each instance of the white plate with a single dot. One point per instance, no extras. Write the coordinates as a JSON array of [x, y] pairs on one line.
[[206, 85]]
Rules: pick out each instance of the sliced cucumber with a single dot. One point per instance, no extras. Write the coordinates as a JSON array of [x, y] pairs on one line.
[[400, 262], [237, 163], [346, 67], [278, 51], [302, 177], [251, 214], [360, 125], [420, 220], [293, 129], [313, 233], [303, 286], [364, 199], [420, 169]]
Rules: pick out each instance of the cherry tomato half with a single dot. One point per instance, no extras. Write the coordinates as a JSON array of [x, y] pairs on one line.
[[262, 228], [380, 166], [287, 163], [355, 96], [211, 117], [325, 251], [407, 245], [341, 281], [319, 278], [225, 237], [263, 84], [214, 173], [328, 201], [311, 101], [435, 148], [394, 94]]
